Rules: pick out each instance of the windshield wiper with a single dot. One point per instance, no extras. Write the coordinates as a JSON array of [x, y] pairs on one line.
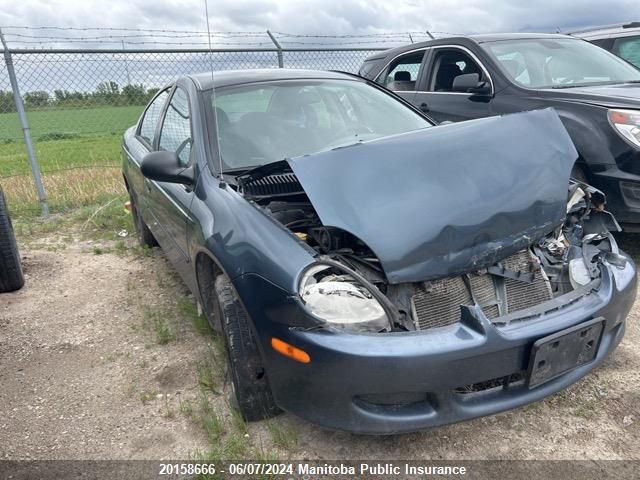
[[261, 171], [575, 85]]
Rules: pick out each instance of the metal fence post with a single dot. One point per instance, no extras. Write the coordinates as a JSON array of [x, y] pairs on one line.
[[25, 128], [279, 48], [126, 64]]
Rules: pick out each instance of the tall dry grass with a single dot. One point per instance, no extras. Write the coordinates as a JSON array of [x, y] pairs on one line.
[[65, 189]]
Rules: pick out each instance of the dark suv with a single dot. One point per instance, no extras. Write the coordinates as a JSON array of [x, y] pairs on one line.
[[596, 94], [622, 40]]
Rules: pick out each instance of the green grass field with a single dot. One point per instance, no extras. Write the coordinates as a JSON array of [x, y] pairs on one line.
[[56, 155], [99, 120], [78, 152]]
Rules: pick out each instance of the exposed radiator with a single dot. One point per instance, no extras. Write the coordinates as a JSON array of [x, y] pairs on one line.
[[437, 303], [522, 295]]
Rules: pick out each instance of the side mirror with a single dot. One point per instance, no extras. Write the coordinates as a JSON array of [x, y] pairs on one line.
[[470, 83], [165, 167]]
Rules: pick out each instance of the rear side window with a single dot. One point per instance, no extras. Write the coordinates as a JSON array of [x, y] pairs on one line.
[[175, 135], [628, 48], [402, 74], [151, 116]]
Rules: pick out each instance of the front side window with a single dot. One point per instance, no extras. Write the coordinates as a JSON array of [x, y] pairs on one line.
[[402, 73], [175, 135], [151, 117], [266, 122], [559, 63], [628, 48], [447, 65]]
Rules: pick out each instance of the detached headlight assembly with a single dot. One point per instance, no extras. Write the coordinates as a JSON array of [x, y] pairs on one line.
[[627, 124], [341, 300]]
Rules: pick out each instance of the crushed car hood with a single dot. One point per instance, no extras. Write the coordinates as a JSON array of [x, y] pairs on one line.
[[449, 199]]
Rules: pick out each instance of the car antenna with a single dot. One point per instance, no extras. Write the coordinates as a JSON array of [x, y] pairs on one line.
[[213, 94]]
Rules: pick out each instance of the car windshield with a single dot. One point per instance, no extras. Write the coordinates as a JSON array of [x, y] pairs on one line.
[[559, 63], [262, 123]]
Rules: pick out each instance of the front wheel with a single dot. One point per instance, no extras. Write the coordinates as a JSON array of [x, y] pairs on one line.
[[251, 388]]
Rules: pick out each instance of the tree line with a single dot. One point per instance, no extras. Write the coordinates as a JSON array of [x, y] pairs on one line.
[[106, 94]]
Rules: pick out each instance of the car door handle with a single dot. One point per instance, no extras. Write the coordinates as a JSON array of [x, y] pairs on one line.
[[424, 107]]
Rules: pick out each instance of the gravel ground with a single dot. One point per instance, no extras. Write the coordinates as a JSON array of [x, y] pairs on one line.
[[98, 361]]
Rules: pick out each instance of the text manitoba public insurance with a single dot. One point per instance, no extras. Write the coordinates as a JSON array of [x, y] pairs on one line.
[[380, 469]]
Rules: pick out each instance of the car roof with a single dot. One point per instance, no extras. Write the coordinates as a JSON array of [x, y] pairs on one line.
[[207, 80], [462, 40], [607, 31], [496, 37]]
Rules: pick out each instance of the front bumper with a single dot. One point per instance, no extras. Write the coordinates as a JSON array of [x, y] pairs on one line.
[[398, 382]]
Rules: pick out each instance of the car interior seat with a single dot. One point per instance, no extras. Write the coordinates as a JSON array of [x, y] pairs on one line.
[[445, 76], [402, 81]]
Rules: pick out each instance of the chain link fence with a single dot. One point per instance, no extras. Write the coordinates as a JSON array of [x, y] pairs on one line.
[[67, 92], [78, 102]]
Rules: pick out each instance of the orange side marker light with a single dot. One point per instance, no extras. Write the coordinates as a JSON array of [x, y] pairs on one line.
[[290, 351]]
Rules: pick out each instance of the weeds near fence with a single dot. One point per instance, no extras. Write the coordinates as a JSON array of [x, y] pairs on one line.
[[66, 190]]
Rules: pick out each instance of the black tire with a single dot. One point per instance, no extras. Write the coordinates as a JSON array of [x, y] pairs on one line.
[[145, 237], [11, 276], [250, 384]]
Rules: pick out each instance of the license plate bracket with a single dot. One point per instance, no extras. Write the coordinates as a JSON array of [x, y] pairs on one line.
[[556, 354]]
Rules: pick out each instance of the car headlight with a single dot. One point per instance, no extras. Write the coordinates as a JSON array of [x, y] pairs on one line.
[[341, 300], [627, 124]]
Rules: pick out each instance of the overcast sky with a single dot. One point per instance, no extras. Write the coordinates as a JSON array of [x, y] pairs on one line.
[[323, 16]]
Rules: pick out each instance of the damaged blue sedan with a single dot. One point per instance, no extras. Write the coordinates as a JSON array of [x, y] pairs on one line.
[[371, 271]]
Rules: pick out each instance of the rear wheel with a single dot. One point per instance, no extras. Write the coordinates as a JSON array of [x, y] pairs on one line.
[[250, 385], [145, 237], [11, 276]]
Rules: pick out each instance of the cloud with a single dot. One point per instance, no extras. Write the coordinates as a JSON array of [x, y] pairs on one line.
[[323, 17]]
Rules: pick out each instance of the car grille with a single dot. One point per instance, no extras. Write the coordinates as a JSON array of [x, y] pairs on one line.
[[437, 303]]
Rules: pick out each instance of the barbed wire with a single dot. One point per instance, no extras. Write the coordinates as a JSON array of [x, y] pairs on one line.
[[26, 35]]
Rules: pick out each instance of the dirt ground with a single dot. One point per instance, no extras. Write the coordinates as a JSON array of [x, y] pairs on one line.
[[99, 361]]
